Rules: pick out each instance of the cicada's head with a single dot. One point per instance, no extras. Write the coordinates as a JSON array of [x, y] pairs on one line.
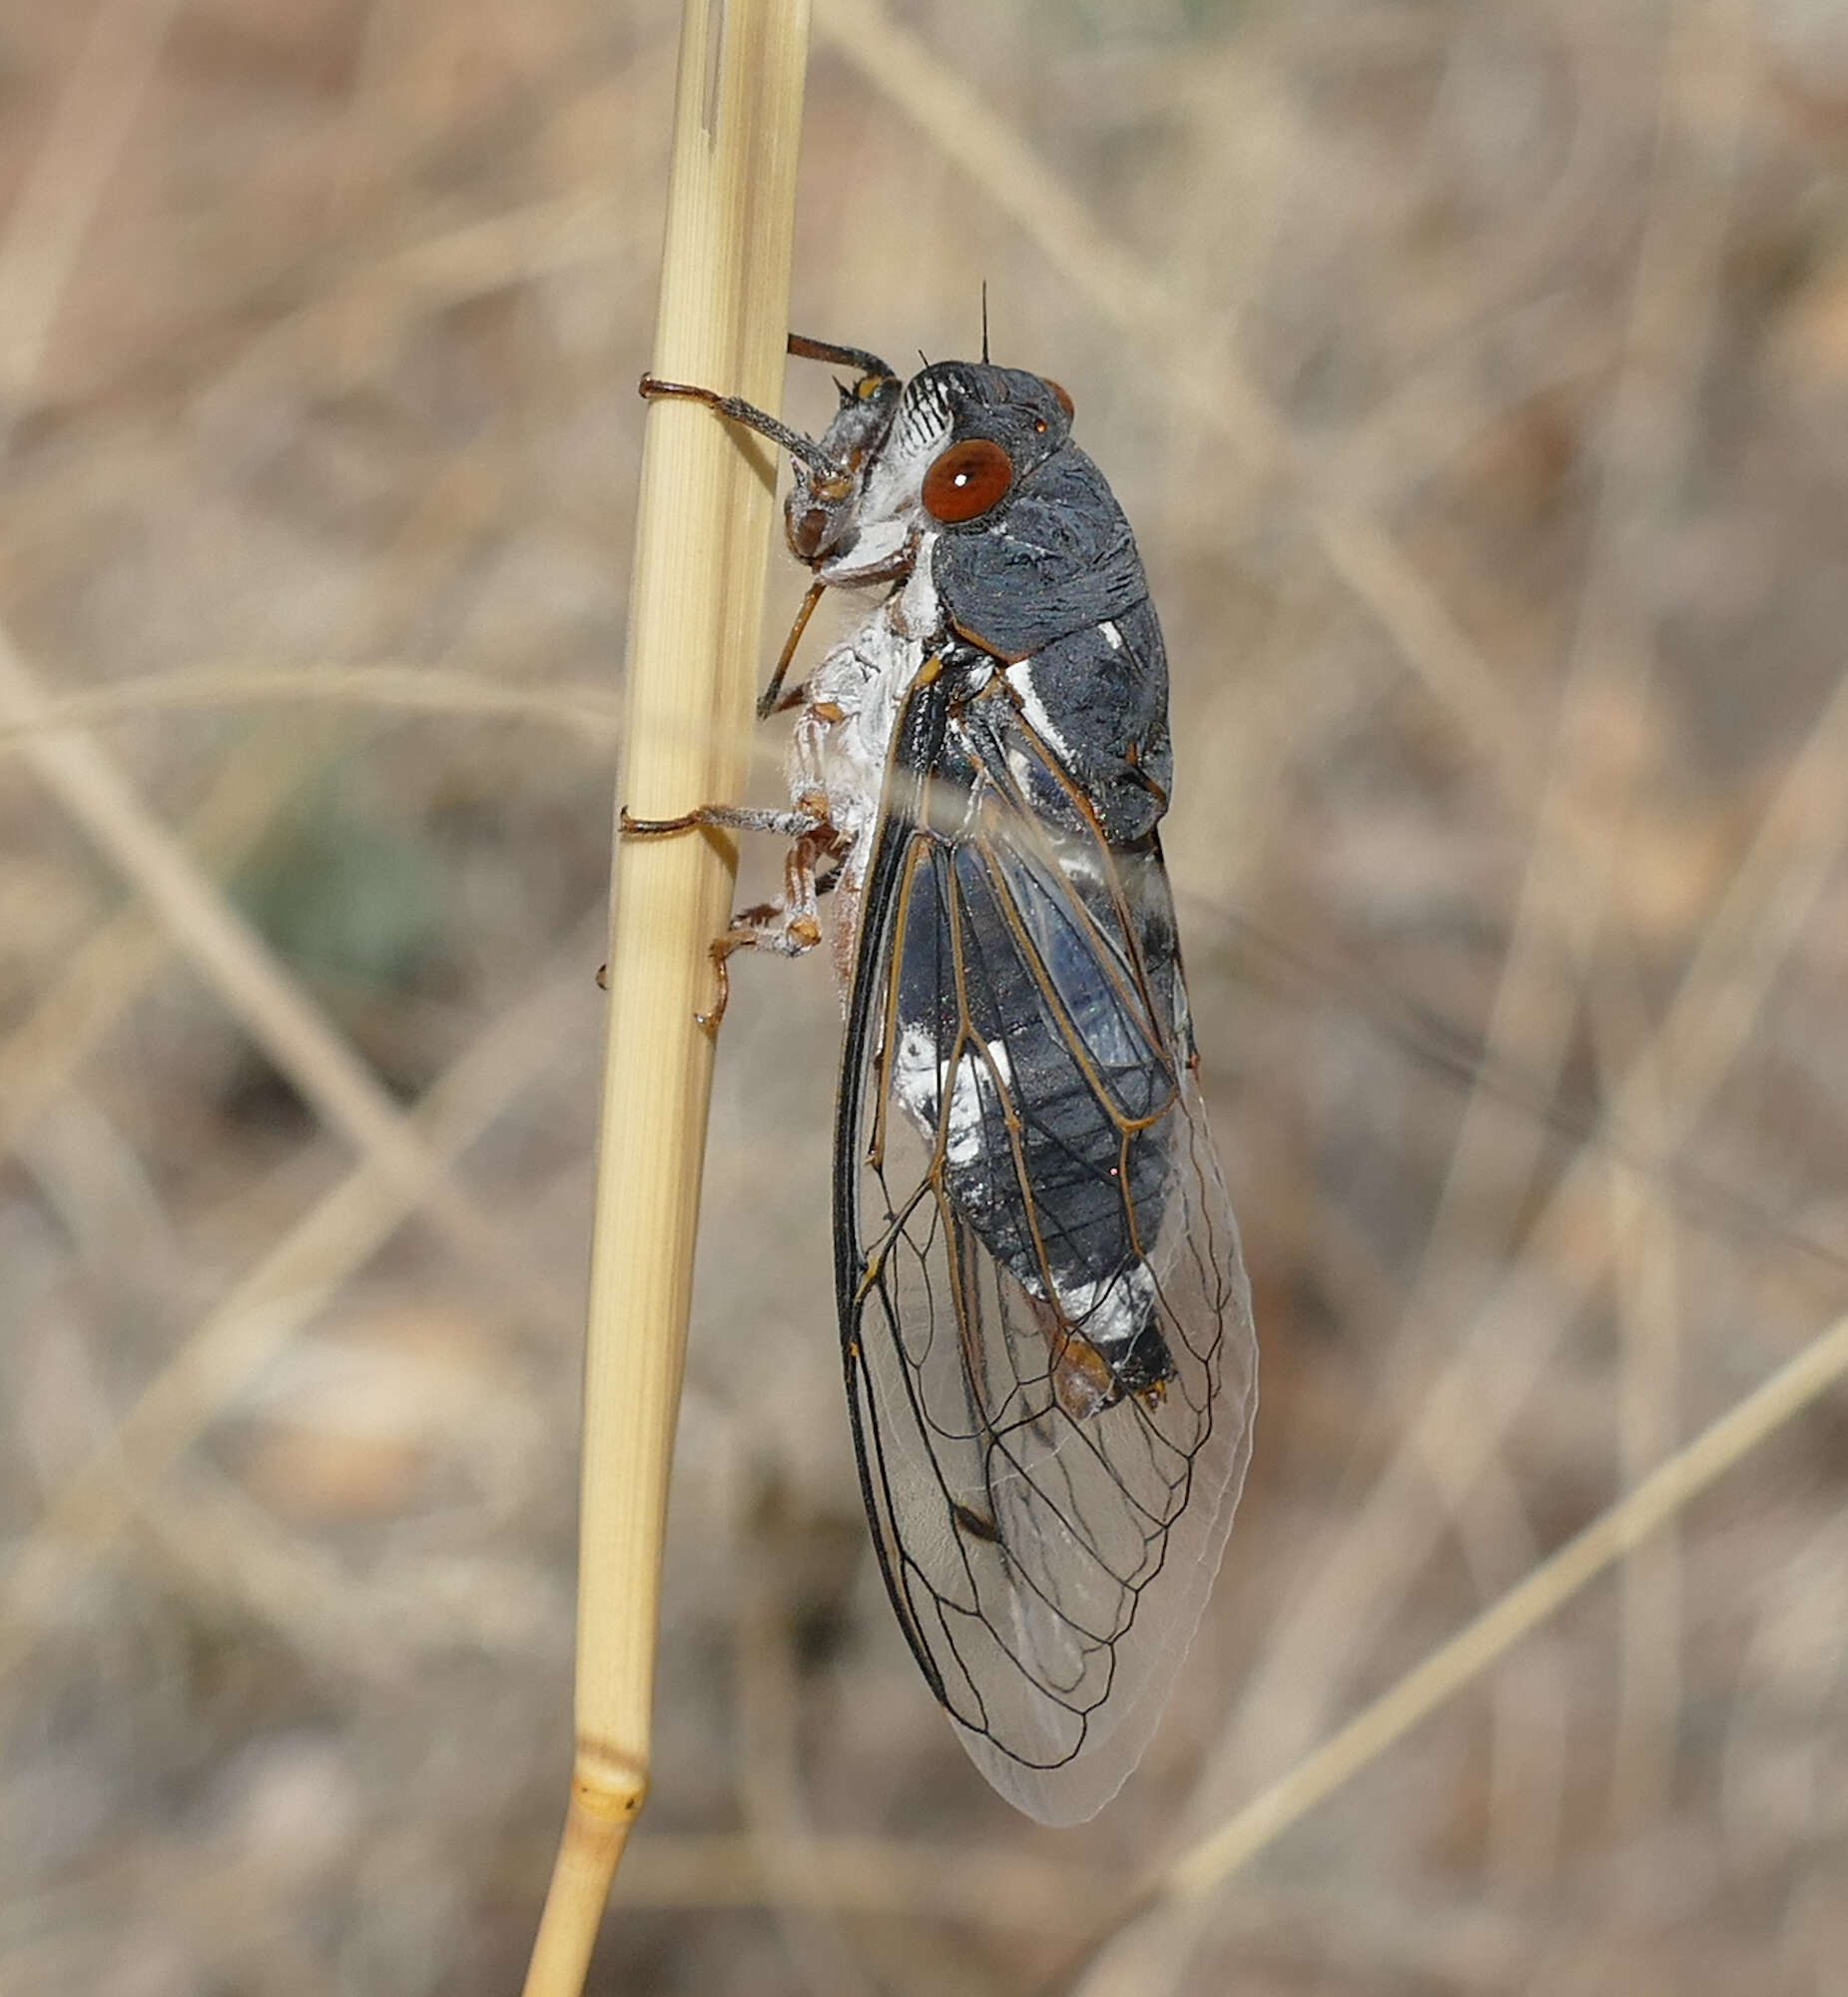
[[941, 450]]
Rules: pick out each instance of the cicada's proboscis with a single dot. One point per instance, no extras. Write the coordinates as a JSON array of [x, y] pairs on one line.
[[1044, 1318]]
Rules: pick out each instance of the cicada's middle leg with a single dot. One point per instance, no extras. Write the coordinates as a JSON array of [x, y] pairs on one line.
[[791, 925]]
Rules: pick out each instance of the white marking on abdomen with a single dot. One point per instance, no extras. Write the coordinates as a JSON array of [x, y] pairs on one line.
[[916, 1079]]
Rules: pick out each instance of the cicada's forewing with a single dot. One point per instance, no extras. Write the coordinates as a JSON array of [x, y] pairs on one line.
[[1047, 1328]]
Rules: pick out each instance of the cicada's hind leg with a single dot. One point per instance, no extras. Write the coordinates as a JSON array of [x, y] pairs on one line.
[[789, 926]]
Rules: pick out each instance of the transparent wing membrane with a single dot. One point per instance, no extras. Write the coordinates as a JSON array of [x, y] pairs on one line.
[[1050, 1350]]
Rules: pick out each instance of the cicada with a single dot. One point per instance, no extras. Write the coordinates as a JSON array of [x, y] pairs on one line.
[[1045, 1319]]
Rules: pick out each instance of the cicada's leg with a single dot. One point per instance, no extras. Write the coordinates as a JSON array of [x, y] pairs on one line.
[[796, 824], [869, 364], [789, 926], [772, 700], [653, 388]]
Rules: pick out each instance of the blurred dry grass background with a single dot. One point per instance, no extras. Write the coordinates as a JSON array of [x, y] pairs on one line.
[[1477, 376]]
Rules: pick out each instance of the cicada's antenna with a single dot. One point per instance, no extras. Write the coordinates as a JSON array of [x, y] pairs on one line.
[[984, 322]]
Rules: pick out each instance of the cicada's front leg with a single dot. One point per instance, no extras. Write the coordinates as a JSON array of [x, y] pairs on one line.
[[789, 926]]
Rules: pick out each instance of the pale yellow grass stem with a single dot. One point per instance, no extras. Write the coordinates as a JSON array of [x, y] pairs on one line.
[[701, 531]]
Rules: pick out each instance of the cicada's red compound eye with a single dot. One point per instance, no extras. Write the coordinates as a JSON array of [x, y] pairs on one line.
[[967, 480], [1063, 400]]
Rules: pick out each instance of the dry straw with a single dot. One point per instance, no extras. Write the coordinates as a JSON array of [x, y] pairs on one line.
[[701, 540]]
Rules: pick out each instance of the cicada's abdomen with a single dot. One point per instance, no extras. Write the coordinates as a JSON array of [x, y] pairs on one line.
[[1070, 1196]]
